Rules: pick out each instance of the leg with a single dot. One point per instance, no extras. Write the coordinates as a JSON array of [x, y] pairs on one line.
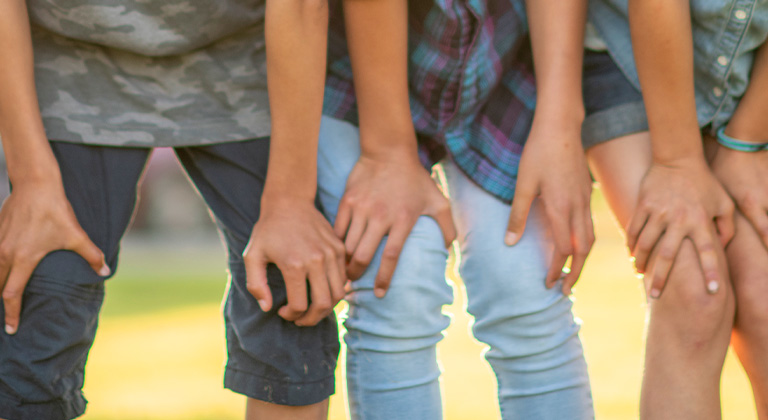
[[42, 366], [688, 329], [286, 371], [748, 263], [535, 350], [392, 370]]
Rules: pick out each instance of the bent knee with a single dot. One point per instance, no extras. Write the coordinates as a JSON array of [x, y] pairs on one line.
[[687, 307]]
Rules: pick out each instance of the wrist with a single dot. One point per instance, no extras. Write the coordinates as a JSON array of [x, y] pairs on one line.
[[748, 133], [389, 144]]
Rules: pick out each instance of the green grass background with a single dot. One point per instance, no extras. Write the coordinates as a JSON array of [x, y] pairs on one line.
[[160, 348]]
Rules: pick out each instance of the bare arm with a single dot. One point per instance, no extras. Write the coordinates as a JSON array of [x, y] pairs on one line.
[[388, 188], [679, 196], [290, 231], [37, 217], [745, 175], [564, 187]]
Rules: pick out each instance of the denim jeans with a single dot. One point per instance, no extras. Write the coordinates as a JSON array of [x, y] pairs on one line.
[[391, 366], [534, 347]]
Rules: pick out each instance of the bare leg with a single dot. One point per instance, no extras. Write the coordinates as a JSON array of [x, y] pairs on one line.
[[688, 329], [260, 410], [748, 263]]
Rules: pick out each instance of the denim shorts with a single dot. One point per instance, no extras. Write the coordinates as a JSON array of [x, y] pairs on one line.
[[42, 366], [614, 107]]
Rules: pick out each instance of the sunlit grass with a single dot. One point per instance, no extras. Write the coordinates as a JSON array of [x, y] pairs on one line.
[[160, 348]]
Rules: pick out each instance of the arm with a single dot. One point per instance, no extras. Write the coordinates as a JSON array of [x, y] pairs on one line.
[[564, 187], [388, 188], [291, 232], [679, 196], [745, 175], [37, 218]]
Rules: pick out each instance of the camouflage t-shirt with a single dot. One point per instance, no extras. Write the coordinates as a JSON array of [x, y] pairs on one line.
[[151, 72]]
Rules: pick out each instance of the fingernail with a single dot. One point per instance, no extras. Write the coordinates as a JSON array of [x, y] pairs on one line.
[[104, 271], [262, 303], [10, 330], [379, 293], [655, 293], [510, 238], [713, 286]]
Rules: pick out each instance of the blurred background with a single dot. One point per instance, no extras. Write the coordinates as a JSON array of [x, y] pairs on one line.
[[160, 349]]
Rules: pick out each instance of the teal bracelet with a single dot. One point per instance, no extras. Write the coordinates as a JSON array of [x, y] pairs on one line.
[[739, 145]]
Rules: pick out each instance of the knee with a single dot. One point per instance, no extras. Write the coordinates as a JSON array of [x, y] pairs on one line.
[[410, 315], [695, 316]]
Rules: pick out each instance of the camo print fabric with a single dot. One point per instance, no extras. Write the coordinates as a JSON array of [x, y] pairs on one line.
[[146, 73]]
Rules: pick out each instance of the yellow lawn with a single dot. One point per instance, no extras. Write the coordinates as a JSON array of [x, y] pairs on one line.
[[168, 365]]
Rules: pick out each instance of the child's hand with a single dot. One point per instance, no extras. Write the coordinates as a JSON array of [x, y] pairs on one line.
[[679, 200], [745, 176], [294, 235], [554, 169], [35, 220], [385, 196]]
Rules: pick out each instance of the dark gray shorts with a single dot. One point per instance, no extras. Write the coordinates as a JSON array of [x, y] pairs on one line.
[[42, 366], [614, 107]]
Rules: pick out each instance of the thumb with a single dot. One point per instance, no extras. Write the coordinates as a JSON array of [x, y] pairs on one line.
[[92, 254], [256, 279], [521, 205]]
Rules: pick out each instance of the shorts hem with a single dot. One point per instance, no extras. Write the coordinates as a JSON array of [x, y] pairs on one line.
[[276, 391], [63, 409], [612, 123]]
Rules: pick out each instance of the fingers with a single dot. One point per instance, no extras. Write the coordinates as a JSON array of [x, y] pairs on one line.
[[521, 205], [646, 240], [13, 291], [296, 292], [561, 232], [343, 218], [444, 219], [668, 247], [395, 242], [91, 253], [256, 277], [636, 224], [703, 240], [583, 239], [321, 303], [354, 234], [364, 252], [758, 217], [725, 223]]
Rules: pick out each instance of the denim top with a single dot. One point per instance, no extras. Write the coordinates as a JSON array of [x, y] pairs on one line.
[[725, 36]]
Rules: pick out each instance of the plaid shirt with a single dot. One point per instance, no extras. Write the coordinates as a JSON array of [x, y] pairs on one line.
[[471, 85]]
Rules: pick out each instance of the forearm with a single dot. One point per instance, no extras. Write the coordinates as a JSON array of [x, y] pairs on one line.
[[28, 154], [557, 40], [296, 41], [663, 48], [377, 35], [749, 122]]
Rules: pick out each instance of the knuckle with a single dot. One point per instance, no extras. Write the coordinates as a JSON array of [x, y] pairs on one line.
[[358, 261], [667, 252], [11, 293], [392, 252]]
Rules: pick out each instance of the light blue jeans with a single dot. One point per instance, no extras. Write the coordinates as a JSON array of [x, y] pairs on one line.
[[391, 360]]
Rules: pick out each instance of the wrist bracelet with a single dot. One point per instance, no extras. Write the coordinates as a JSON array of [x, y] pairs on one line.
[[739, 145]]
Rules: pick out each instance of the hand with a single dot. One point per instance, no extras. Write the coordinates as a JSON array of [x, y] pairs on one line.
[[35, 220], [554, 169], [745, 177], [294, 235], [679, 200], [385, 196]]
